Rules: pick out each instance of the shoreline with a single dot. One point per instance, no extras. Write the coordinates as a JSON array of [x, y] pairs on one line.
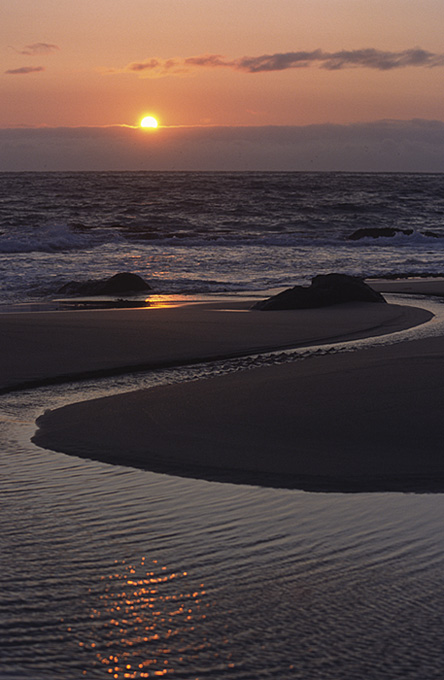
[[356, 421], [47, 348], [306, 425], [421, 285]]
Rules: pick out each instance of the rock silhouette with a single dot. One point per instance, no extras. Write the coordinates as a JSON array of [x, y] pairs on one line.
[[123, 283], [325, 290]]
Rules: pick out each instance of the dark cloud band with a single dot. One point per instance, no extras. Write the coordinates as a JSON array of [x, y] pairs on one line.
[[381, 146], [333, 61]]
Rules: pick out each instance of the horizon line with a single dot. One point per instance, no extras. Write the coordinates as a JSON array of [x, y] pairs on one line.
[[45, 126]]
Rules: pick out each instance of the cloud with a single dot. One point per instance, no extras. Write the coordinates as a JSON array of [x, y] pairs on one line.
[[380, 146], [38, 49], [24, 70], [156, 67], [209, 61], [332, 61]]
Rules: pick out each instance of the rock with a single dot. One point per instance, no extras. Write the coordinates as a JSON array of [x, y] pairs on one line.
[[378, 232], [120, 284], [325, 290]]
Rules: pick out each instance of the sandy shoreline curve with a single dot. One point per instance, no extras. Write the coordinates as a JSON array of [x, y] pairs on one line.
[[364, 421], [369, 420], [39, 348]]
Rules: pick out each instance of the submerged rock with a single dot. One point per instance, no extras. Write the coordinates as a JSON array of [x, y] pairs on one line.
[[123, 283], [325, 290]]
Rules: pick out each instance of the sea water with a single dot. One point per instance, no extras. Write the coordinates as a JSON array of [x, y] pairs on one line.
[[193, 233], [111, 572]]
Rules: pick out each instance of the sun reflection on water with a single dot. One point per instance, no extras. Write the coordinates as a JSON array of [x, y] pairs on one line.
[[143, 622], [168, 300]]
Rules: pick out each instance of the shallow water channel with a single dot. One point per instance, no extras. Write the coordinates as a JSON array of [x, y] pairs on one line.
[[114, 572]]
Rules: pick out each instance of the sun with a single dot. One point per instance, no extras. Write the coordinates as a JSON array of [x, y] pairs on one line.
[[149, 122]]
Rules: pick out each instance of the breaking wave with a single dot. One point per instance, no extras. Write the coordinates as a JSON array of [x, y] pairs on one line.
[[53, 239], [61, 238]]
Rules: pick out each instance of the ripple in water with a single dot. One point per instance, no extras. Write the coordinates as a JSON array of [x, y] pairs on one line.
[[108, 572]]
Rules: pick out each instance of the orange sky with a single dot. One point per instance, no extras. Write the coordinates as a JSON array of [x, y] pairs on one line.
[[68, 63]]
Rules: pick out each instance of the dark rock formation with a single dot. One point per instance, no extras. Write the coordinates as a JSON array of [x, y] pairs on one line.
[[325, 290], [119, 284], [377, 232]]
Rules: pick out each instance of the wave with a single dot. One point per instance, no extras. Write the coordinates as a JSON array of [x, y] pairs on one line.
[[376, 233], [64, 238], [292, 240], [54, 239]]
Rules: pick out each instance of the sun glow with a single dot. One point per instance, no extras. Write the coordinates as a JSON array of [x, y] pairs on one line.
[[149, 122]]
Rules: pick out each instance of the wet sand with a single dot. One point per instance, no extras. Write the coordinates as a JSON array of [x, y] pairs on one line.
[[369, 420], [49, 347]]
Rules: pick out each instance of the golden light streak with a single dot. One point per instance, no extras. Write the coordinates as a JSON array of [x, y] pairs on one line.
[[146, 616]]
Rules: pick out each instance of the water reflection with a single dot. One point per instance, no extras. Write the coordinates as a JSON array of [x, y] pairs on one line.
[[143, 621], [168, 300], [121, 573]]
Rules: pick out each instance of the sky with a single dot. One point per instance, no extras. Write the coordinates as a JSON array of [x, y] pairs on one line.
[[234, 84]]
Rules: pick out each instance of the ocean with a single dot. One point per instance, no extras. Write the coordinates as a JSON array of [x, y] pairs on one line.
[[200, 233], [113, 572]]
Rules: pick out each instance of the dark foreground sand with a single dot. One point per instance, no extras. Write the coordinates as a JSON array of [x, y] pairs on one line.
[[46, 347], [367, 420]]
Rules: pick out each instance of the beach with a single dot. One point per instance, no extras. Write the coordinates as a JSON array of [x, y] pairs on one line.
[[117, 566], [47, 347], [362, 420]]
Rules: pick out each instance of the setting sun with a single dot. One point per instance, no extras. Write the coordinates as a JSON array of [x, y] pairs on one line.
[[149, 122]]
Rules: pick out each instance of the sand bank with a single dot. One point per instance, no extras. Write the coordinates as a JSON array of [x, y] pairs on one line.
[[40, 348], [425, 286], [368, 420]]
